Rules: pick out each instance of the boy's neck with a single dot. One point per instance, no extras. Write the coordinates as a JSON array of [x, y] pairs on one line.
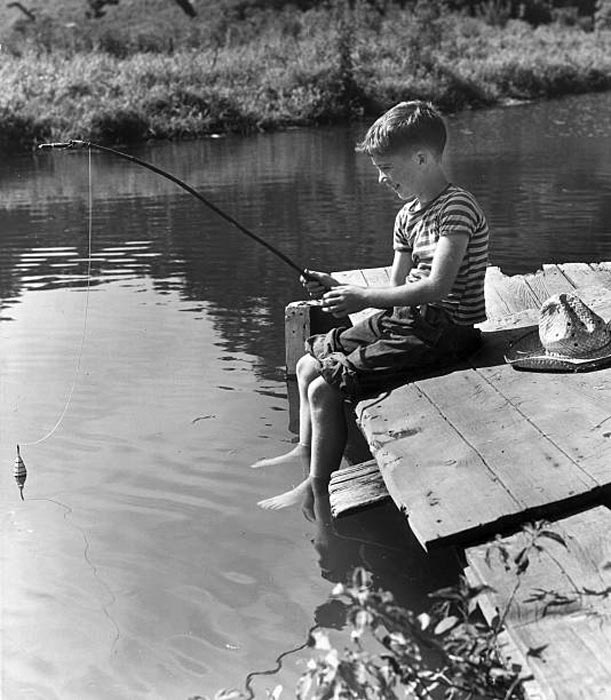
[[432, 187]]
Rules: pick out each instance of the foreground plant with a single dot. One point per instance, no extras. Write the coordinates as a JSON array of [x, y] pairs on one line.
[[449, 652], [397, 653]]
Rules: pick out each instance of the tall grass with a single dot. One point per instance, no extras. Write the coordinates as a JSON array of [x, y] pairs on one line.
[[281, 69]]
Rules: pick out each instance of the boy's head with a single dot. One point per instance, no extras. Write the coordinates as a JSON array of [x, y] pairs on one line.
[[407, 125]]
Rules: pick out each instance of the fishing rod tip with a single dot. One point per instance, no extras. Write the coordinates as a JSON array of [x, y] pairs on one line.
[[73, 143]]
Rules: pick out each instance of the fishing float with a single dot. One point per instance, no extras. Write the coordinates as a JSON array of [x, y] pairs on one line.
[[19, 472]]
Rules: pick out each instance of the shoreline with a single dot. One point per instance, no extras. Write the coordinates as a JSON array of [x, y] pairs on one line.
[[333, 74]]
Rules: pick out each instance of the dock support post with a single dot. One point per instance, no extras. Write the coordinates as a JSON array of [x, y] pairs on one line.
[[301, 320]]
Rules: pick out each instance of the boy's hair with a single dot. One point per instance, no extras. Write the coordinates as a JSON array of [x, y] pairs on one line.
[[414, 123]]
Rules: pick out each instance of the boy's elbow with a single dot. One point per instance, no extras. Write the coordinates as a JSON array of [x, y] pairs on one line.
[[439, 289]]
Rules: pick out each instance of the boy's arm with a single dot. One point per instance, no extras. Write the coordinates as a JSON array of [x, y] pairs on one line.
[[448, 257], [401, 265]]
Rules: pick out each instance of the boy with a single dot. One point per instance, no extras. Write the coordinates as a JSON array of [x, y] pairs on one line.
[[435, 297]]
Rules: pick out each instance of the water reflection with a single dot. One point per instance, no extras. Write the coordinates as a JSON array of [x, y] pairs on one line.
[[542, 173]]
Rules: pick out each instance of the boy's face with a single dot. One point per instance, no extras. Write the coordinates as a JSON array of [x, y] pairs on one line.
[[401, 172]]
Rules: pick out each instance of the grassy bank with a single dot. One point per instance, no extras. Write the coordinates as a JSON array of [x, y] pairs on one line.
[[289, 68]]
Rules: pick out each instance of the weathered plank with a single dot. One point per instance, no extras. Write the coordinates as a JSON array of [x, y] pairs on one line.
[[371, 277], [493, 464], [507, 294], [499, 429], [510, 653], [545, 284], [377, 276], [581, 274], [435, 486], [561, 606], [355, 487], [297, 327], [350, 277], [301, 320], [572, 411], [603, 269]]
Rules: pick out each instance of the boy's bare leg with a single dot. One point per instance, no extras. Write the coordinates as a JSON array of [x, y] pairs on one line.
[[300, 454], [328, 442]]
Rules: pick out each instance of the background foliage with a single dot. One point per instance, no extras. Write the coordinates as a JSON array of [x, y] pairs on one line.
[[149, 69]]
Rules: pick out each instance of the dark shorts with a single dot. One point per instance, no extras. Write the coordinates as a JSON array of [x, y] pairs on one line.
[[390, 348]]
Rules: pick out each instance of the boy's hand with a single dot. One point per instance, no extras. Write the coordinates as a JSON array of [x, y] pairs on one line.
[[317, 283], [345, 299]]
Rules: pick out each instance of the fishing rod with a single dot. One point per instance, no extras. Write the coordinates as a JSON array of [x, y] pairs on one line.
[[75, 143]]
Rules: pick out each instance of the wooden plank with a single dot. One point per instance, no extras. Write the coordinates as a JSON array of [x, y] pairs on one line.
[[603, 272], [573, 412], [507, 294], [370, 277], [301, 320], [561, 606], [495, 450], [496, 307], [350, 277], [498, 428], [296, 330], [377, 276], [434, 487], [510, 653], [581, 274], [546, 283], [356, 487]]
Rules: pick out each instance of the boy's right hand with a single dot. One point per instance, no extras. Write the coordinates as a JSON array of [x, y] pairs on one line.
[[317, 283]]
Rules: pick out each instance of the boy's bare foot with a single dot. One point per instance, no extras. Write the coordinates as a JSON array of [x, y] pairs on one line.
[[299, 455], [300, 495]]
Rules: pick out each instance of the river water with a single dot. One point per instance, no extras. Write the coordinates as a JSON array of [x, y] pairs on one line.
[[139, 565]]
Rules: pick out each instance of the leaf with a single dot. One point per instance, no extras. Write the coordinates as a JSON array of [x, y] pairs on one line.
[[446, 624], [449, 593], [332, 659], [321, 641], [363, 619], [522, 561], [474, 591], [424, 620], [536, 652], [551, 535], [397, 638], [304, 685], [338, 590]]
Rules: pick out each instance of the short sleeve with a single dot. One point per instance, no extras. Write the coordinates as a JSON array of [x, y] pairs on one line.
[[400, 238], [460, 215]]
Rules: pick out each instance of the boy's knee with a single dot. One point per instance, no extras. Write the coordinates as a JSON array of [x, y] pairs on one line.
[[307, 368], [321, 392]]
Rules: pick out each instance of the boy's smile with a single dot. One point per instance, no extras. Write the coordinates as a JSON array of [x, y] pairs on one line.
[[400, 173], [411, 174]]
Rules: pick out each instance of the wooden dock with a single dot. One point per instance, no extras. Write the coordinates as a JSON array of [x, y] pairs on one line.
[[478, 451]]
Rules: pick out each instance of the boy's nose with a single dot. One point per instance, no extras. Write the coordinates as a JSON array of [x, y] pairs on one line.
[[382, 179]]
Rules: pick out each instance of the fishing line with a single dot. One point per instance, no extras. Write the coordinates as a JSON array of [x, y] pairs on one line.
[[19, 471], [279, 659], [85, 316]]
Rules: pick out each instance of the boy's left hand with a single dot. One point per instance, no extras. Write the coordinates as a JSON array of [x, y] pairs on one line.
[[344, 299]]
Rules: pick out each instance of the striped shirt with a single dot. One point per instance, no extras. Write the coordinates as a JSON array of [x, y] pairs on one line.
[[418, 230]]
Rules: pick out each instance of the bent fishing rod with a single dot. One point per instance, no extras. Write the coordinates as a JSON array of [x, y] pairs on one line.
[[77, 144]]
